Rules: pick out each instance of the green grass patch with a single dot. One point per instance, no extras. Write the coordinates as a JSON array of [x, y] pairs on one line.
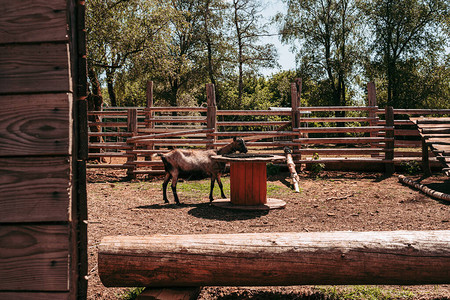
[[365, 292], [201, 187], [131, 294]]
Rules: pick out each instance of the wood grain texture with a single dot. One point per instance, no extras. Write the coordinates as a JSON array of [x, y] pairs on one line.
[[35, 124], [34, 189], [34, 258], [33, 21], [34, 68], [34, 295], [390, 257]]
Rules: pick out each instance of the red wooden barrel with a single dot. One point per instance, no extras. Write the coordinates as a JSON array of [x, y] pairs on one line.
[[248, 183]]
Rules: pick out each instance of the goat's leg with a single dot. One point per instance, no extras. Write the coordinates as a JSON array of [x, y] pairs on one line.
[[211, 198], [165, 183], [174, 187], [219, 182]]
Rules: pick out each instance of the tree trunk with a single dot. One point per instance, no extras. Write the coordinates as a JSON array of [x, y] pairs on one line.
[[95, 101], [252, 259], [209, 43], [240, 57], [110, 85], [173, 94]]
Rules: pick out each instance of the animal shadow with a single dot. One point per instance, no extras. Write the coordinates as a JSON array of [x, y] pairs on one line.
[[166, 206], [211, 212]]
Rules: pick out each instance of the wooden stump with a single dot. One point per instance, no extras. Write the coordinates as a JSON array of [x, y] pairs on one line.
[[248, 183]]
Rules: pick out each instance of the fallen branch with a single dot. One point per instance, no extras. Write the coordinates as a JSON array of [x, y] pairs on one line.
[[339, 198], [424, 189], [291, 166]]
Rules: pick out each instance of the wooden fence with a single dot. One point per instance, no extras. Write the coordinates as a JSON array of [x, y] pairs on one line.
[[366, 135], [43, 201]]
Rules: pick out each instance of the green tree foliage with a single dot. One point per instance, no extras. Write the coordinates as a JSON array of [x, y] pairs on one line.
[[408, 38], [119, 30], [249, 55], [340, 44], [328, 34]]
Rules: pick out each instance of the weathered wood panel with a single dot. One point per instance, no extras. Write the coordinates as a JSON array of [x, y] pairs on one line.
[[34, 296], [33, 21], [34, 68], [389, 257], [34, 258], [34, 189], [35, 124]]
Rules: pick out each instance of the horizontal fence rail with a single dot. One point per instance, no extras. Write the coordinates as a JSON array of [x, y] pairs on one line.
[[368, 135]]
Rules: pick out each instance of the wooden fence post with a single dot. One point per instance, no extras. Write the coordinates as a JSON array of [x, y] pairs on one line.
[[425, 159], [371, 94], [389, 145], [294, 106], [211, 122], [295, 114], [149, 114], [372, 102], [132, 125]]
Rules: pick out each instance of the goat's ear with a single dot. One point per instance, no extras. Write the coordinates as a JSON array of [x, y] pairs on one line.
[[234, 139]]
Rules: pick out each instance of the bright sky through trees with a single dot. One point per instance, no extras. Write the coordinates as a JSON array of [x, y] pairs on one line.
[[285, 57]]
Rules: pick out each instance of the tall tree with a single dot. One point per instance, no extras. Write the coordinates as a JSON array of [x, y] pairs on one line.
[[119, 30], [250, 53], [328, 35], [183, 49], [215, 42], [404, 32]]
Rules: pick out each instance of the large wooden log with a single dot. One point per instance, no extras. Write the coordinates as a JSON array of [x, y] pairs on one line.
[[252, 259]]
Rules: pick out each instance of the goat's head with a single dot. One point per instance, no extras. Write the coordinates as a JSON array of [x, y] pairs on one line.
[[239, 145]]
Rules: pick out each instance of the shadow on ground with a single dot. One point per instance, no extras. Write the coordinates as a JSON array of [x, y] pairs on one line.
[[210, 212]]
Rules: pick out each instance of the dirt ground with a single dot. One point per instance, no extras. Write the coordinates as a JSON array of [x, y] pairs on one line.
[[334, 201]]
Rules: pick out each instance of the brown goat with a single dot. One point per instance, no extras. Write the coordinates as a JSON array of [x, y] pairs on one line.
[[193, 161]]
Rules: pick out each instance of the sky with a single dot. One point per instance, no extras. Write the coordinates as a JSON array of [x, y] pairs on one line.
[[285, 57]]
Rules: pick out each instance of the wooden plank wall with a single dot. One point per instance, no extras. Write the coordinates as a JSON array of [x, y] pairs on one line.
[[41, 181]]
